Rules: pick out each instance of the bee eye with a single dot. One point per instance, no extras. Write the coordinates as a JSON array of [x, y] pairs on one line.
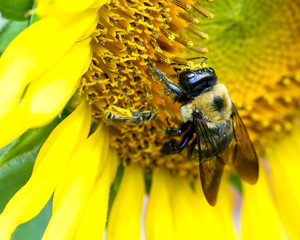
[[187, 75], [218, 103], [210, 70], [191, 75]]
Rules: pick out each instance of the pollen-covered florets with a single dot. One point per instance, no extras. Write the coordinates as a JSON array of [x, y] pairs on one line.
[[129, 35]]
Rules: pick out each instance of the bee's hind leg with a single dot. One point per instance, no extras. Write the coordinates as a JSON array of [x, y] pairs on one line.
[[174, 146]]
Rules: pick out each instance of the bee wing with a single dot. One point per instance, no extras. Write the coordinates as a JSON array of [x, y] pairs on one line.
[[244, 157], [211, 168]]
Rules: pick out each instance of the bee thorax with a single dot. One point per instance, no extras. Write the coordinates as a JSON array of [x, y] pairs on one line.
[[214, 106], [186, 112]]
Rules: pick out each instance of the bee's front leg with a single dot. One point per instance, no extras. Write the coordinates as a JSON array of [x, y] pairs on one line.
[[179, 95]]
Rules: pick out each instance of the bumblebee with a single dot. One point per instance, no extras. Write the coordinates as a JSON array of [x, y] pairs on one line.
[[221, 137]]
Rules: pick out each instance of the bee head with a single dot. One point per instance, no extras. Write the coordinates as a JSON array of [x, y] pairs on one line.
[[193, 81]]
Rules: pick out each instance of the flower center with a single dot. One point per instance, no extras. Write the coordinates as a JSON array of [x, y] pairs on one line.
[[129, 35]]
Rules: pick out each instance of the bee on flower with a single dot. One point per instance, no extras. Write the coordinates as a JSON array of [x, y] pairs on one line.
[[106, 74]]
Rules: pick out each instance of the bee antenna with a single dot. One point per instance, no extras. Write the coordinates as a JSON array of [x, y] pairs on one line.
[[203, 61], [180, 64], [195, 58]]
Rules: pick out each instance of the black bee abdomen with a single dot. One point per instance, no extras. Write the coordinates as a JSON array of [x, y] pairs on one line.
[[218, 103]]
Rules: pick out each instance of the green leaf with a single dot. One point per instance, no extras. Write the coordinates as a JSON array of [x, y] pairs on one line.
[[18, 157], [15, 9], [16, 164], [9, 30], [13, 175], [28, 142], [34, 229]]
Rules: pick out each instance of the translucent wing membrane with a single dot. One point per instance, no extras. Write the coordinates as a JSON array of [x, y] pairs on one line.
[[211, 145], [211, 165], [245, 159], [211, 171]]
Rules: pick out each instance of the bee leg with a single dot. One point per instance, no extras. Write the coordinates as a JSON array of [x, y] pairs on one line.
[[174, 146], [171, 131], [179, 94]]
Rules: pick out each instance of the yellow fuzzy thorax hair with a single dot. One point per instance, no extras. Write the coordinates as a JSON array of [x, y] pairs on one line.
[[204, 102]]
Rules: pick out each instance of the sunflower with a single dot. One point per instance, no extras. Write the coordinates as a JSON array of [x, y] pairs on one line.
[[83, 61]]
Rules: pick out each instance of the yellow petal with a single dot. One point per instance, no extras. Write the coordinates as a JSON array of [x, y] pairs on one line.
[[184, 215], [12, 126], [52, 161], [285, 169], [72, 192], [46, 97], [215, 222], [36, 49], [260, 219], [73, 130], [159, 220], [125, 216], [92, 223], [50, 7]]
